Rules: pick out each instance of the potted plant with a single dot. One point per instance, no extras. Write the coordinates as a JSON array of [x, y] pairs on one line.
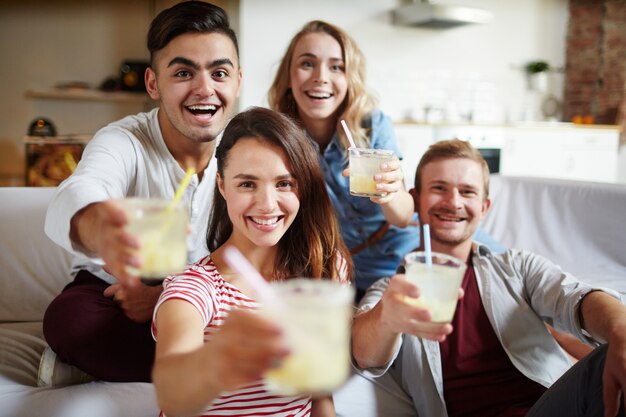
[[535, 67], [537, 75]]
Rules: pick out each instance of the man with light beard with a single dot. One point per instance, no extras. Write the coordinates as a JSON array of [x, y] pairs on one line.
[[101, 320], [496, 357]]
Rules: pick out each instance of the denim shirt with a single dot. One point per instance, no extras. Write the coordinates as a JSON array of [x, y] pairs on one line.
[[519, 291], [359, 217]]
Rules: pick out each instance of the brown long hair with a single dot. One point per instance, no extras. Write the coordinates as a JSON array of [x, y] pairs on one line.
[[358, 103], [312, 246]]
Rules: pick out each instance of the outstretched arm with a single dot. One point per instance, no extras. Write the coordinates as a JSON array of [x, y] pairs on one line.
[[189, 374], [604, 318], [376, 333], [99, 229]]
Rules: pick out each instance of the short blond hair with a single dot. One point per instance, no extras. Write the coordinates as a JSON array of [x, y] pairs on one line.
[[448, 149]]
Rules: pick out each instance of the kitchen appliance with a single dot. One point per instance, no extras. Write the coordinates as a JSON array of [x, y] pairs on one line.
[[422, 13], [489, 140]]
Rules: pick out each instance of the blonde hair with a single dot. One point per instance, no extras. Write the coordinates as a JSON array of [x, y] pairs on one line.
[[358, 103]]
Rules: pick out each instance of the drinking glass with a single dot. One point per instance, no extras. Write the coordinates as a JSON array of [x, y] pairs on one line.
[[438, 282], [364, 164], [162, 232], [316, 318]]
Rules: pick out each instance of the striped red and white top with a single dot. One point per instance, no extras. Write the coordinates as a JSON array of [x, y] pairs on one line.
[[213, 297]]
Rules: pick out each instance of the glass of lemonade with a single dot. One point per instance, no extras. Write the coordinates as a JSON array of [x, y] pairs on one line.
[[316, 318], [438, 283], [364, 164], [162, 232]]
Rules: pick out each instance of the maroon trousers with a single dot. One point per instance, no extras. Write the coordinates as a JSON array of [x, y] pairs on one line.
[[90, 331]]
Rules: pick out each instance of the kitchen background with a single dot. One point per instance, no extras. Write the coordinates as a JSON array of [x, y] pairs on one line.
[[468, 75]]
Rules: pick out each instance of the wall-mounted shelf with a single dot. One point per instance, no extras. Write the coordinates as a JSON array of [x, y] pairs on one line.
[[80, 94]]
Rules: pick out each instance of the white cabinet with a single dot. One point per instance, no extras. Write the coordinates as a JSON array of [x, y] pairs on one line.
[[413, 140], [551, 150], [566, 152]]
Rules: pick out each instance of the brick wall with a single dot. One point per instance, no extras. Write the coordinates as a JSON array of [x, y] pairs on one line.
[[595, 73]]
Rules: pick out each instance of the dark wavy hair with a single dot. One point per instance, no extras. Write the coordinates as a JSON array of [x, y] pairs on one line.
[[312, 246], [188, 17]]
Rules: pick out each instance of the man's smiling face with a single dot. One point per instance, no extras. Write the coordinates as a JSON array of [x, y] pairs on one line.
[[196, 79], [452, 200]]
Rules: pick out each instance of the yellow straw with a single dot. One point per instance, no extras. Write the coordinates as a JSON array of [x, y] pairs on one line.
[[181, 188], [69, 161]]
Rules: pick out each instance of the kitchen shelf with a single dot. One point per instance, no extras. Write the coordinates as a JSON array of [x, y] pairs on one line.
[[79, 94]]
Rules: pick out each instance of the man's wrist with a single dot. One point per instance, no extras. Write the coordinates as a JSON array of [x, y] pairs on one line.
[[76, 223]]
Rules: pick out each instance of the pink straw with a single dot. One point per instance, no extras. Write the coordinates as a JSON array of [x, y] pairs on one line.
[[259, 285], [348, 134]]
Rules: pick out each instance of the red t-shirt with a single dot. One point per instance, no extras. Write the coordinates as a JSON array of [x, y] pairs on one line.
[[478, 376]]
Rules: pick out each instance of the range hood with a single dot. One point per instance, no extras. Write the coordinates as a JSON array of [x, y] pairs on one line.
[[438, 16]]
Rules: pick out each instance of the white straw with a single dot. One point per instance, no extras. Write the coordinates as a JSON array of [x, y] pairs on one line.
[[345, 128], [427, 250], [259, 285]]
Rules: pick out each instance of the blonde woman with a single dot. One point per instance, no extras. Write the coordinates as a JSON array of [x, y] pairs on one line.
[[321, 81]]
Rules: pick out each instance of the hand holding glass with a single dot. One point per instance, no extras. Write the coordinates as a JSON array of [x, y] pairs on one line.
[[315, 316], [162, 232], [364, 165], [438, 283]]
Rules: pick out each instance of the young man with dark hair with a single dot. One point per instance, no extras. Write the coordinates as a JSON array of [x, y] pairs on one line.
[[101, 321]]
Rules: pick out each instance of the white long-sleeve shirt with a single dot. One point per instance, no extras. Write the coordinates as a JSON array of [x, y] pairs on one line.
[[128, 158]]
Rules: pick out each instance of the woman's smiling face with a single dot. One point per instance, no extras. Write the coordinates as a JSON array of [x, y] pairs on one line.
[[317, 77], [260, 190]]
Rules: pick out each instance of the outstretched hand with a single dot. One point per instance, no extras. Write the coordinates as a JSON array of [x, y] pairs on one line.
[[400, 316], [99, 228], [244, 347]]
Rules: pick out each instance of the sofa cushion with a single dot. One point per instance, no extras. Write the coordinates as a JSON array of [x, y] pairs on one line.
[[21, 346], [33, 268]]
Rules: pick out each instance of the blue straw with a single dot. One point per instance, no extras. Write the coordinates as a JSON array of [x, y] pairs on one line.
[[427, 250]]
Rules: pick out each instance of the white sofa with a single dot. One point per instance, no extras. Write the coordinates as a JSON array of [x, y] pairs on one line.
[[32, 271], [579, 225]]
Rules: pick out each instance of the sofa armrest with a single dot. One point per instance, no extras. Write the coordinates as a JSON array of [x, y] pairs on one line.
[[33, 269]]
